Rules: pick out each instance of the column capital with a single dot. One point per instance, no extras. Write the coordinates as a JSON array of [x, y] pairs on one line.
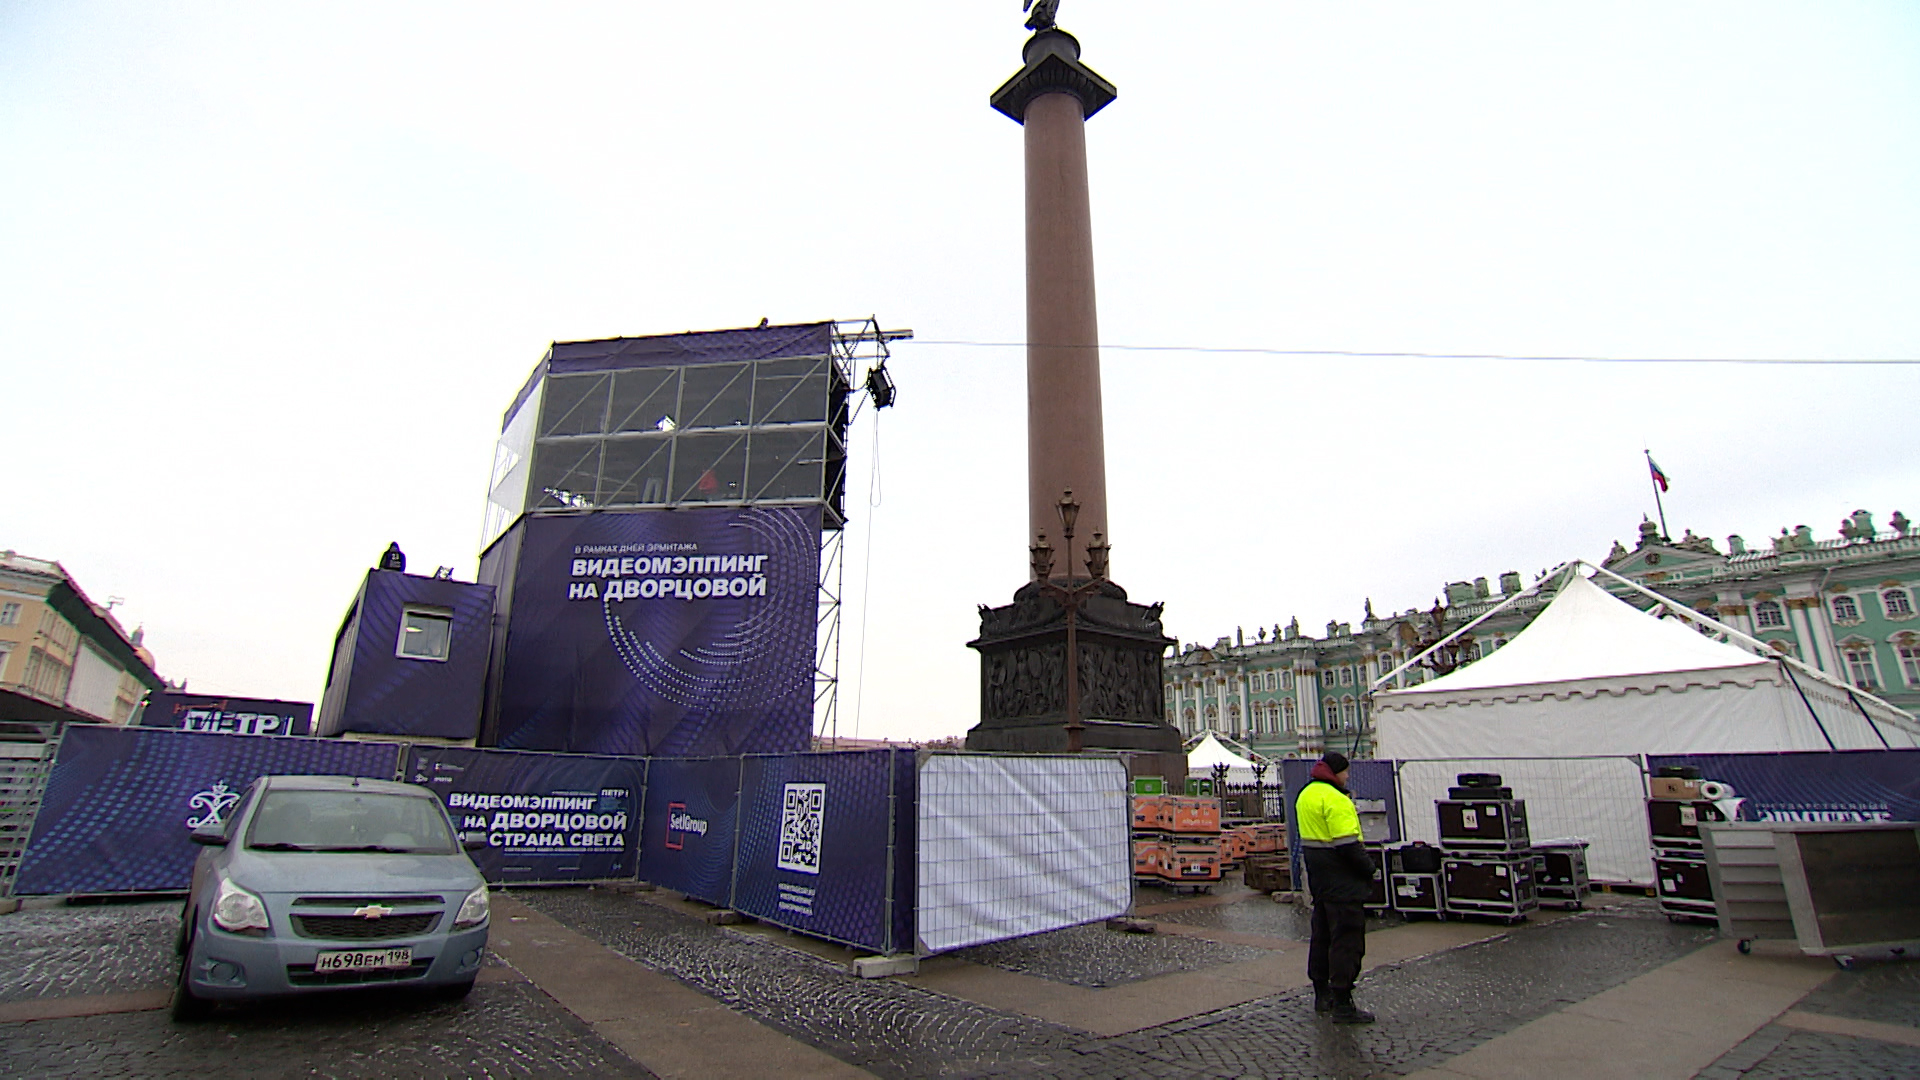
[[1053, 67]]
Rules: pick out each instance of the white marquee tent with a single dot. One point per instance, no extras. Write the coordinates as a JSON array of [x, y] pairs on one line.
[[1594, 675], [1565, 709], [1209, 752]]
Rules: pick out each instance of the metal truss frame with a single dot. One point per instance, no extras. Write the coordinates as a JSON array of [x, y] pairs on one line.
[[859, 346]]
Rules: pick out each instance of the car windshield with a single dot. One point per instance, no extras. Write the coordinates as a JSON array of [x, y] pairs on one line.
[[350, 821]]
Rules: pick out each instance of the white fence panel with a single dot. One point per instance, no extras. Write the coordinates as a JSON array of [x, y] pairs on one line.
[[1016, 845], [1601, 800]]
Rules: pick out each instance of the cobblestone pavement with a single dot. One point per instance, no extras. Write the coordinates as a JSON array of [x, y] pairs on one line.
[[101, 949], [504, 1029], [1884, 993], [1096, 956], [1259, 915], [1812, 1055], [1430, 1008]]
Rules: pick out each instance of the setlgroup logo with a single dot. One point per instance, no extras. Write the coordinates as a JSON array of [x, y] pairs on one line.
[[679, 823]]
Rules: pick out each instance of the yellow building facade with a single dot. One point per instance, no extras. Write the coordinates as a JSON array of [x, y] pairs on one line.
[[62, 657]]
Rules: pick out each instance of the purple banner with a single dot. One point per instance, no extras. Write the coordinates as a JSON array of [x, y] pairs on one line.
[[818, 850], [546, 818], [120, 801], [1815, 785], [692, 813], [675, 633], [227, 715]]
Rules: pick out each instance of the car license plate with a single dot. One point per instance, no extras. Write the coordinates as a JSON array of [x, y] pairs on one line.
[[364, 960]]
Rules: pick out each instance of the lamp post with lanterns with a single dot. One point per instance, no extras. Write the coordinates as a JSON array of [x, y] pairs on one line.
[[1070, 597]]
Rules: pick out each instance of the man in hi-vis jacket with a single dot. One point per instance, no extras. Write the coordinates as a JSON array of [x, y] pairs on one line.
[[1340, 874]]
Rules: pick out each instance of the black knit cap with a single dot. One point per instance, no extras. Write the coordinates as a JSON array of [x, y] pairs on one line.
[[1335, 760]]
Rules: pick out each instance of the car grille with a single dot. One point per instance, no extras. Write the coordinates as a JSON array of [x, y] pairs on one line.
[[363, 901], [304, 975], [355, 928]]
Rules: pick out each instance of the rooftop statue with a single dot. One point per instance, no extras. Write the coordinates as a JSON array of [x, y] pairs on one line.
[[1043, 15]]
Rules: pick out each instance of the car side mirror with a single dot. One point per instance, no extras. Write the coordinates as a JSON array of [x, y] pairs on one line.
[[474, 843], [213, 834]]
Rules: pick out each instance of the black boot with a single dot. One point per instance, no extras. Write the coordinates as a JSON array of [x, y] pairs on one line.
[[1346, 1012], [1322, 998]]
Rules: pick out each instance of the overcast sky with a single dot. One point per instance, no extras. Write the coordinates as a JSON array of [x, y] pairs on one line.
[[269, 274]]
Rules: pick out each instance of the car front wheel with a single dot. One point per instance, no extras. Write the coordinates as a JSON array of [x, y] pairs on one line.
[[188, 1008]]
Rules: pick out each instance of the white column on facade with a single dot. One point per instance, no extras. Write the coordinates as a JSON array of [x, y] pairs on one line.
[[1220, 700], [1810, 626], [1732, 609], [1309, 684], [1246, 713]]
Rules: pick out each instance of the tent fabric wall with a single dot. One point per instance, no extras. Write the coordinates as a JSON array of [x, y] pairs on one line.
[[1593, 675], [1597, 799], [1730, 710], [1015, 845]]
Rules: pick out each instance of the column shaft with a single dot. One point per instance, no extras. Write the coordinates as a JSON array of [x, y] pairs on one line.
[[1066, 442]]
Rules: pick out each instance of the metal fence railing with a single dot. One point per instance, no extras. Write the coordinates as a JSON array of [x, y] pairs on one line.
[[1601, 800], [26, 759]]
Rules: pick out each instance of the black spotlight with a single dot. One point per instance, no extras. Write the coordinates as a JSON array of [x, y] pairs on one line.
[[880, 385]]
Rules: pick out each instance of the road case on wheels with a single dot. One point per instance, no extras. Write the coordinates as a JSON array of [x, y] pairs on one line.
[[1560, 873], [1488, 885]]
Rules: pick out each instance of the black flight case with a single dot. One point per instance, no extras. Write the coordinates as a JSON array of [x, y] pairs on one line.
[[1560, 874]]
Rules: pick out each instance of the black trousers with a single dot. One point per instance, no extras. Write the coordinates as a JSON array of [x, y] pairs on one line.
[[1339, 943]]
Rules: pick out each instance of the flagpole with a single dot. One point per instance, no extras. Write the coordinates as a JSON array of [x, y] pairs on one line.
[[1657, 506]]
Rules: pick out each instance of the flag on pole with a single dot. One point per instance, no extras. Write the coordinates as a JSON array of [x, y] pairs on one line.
[[1659, 477]]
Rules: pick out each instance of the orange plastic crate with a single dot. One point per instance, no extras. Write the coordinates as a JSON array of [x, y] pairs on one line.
[[1150, 858], [1193, 862], [1193, 815]]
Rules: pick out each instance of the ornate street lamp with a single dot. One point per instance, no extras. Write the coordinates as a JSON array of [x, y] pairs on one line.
[[1070, 597]]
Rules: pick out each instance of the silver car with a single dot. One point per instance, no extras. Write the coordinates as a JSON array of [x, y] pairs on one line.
[[316, 883]]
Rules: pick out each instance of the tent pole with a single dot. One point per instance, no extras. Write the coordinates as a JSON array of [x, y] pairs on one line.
[[1810, 709], [1869, 720]]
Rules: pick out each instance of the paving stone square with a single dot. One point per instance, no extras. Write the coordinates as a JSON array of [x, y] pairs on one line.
[[1096, 956]]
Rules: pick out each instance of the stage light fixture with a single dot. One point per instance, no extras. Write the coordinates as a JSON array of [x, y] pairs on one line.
[[880, 385]]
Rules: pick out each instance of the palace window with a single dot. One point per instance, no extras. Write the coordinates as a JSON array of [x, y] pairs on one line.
[[1860, 666], [1845, 610], [1346, 676], [1348, 715], [9, 613], [1287, 722], [1910, 664], [1768, 613], [1897, 603], [1286, 679]]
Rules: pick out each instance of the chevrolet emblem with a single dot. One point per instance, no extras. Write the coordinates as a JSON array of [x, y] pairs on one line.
[[373, 911]]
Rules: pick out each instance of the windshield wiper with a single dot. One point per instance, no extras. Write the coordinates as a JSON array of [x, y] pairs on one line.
[[381, 848], [280, 847]]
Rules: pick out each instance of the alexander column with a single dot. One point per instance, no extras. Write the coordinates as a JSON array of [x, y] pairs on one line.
[[1070, 664]]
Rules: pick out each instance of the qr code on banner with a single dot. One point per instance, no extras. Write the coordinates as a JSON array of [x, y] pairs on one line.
[[800, 820]]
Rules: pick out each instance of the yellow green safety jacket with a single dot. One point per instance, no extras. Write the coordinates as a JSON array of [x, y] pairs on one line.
[[1338, 867]]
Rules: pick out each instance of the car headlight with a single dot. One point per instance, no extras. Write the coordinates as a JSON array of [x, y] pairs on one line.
[[237, 910], [473, 910]]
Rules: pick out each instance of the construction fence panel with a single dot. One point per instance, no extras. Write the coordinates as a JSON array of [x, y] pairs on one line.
[[120, 803], [545, 818], [826, 845], [692, 820], [1601, 800], [1014, 845], [24, 766]]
